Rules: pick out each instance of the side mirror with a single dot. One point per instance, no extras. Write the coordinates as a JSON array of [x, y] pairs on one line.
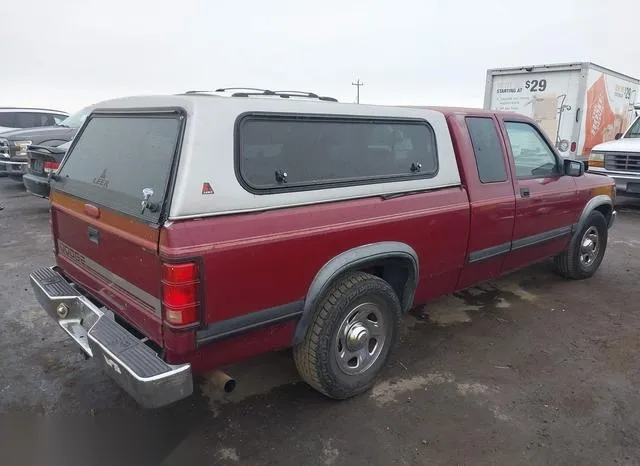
[[573, 167], [618, 136]]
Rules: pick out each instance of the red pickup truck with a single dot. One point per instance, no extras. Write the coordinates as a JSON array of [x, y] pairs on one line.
[[228, 224]]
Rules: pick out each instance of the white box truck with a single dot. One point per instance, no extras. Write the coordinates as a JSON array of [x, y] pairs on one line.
[[579, 105]]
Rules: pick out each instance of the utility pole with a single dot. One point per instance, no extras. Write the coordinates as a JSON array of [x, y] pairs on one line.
[[358, 84]]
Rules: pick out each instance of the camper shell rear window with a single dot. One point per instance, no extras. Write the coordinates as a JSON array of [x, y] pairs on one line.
[[117, 158]]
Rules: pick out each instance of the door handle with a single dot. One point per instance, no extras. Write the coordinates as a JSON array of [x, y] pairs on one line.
[[524, 192]]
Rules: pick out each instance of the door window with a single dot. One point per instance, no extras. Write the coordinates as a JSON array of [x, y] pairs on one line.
[[532, 155], [486, 148], [31, 119], [8, 119]]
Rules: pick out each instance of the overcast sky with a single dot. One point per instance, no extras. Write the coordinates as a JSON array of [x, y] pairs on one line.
[[66, 54]]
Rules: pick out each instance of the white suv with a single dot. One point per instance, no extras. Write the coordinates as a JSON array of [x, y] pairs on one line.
[[17, 118]]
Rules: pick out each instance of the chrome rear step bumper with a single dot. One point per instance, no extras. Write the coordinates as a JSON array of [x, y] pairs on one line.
[[126, 359]]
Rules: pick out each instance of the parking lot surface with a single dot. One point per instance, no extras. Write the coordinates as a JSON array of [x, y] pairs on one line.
[[530, 369]]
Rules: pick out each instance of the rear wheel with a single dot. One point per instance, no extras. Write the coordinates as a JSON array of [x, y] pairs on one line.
[[586, 250], [354, 328]]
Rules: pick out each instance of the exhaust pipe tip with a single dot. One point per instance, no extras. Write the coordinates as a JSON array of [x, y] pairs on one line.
[[223, 381], [230, 386]]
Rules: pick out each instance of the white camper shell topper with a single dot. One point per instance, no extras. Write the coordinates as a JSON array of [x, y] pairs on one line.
[[220, 173]]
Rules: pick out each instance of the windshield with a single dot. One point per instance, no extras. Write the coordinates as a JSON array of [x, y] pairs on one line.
[[76, 120], [634, 131]]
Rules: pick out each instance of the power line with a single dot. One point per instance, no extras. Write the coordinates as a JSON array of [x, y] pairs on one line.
[[358, 84]]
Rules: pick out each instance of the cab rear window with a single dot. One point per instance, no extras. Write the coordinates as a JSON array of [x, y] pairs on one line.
[[117, 157]]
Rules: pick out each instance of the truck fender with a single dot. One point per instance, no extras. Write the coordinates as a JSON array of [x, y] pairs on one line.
[[354, 259], [593, 204]]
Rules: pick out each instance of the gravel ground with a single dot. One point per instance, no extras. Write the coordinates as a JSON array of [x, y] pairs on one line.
[[530, 369]]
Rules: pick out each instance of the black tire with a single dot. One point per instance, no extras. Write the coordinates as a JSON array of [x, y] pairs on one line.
[[569, 263], [317, 356]]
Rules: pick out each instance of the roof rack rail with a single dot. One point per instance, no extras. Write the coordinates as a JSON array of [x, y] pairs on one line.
[[255, 89], [311, 95], [225, 89], [249, 91]]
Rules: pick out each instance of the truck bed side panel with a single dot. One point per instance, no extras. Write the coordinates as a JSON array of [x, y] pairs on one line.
[[248, 257]]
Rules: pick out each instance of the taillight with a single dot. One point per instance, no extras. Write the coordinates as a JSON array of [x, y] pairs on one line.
[[51, 166], [181, 293]]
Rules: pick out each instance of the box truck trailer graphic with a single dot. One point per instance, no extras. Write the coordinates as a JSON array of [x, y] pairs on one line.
[[578, 105], [610, 110], [547, 111]]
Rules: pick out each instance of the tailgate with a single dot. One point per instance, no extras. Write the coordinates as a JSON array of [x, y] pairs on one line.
[[107, 205]]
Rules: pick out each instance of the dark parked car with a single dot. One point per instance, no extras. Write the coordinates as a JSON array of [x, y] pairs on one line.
[[14, 144], [43, 160]]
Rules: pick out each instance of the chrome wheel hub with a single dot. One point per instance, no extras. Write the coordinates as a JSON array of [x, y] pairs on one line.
[[589, 246], [357, 337], [360, 339]]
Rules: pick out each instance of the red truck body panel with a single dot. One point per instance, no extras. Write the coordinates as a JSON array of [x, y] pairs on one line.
[[552, 204], [492, 205], [289, 246]]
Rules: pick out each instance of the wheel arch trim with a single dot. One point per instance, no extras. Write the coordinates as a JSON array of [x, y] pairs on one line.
[[593, 204], [352, 259]]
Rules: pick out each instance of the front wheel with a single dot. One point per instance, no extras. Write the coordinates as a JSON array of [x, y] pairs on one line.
[[586, 250], [353, 330]]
